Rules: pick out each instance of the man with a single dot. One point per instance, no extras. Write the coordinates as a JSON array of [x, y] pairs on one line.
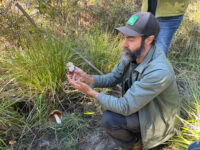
[[169, 14], [150, 99]]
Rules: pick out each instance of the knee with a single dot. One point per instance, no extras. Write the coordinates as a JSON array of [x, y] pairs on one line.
[[107, 119]]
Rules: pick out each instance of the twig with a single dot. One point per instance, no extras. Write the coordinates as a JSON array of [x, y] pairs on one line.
[[43, 31], [28, 17]]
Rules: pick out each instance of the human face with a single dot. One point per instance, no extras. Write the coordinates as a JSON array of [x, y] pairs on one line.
[[133, 47]]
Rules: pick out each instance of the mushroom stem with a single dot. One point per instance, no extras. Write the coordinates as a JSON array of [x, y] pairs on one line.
[[57, 119]]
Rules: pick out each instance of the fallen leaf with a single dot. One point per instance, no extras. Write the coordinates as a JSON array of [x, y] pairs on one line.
[[88, 113]]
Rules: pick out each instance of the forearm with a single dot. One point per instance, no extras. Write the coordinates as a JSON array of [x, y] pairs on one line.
[[104, 81], [110, 79]]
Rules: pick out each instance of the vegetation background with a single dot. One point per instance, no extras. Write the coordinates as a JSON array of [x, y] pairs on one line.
[[33, 75]]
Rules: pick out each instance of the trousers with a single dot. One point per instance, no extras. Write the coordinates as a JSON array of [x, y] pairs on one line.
[[168, 26], [124, 130]]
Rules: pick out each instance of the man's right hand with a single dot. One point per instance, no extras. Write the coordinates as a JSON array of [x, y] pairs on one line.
[[81, 75]]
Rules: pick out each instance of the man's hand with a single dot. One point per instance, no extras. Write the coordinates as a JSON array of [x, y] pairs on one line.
[[76, 82], [79, 74]]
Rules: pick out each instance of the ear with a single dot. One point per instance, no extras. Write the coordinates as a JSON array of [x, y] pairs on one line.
[[150, 39]]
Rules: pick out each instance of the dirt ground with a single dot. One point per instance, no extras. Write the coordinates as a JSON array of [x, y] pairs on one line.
[[98, 140]]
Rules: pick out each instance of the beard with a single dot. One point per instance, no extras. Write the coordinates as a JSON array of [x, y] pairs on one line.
[[132, 56]]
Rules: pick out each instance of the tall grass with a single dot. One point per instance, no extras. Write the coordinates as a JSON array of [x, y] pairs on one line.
[[186, 61], [102, 49], [188, 79], [11, 122], [40, 66], [190, 123], [37, 69]]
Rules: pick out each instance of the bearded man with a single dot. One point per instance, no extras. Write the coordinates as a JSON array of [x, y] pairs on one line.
[[147, 109]]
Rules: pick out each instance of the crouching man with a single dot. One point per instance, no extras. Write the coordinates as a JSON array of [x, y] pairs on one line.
[[150, 100]]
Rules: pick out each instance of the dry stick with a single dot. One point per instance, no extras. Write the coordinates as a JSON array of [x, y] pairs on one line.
[[43, 31], [27, 16]]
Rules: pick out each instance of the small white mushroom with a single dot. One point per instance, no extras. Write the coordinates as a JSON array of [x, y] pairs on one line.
[[70, 66], [55, 116]]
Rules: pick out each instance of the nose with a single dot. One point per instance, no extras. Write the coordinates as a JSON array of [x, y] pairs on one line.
[[125, 44]]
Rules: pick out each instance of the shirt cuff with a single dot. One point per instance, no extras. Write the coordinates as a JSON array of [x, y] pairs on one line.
[[101, 100], [91, 86]]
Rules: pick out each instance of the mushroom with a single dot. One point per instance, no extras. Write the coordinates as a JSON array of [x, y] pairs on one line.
[[70, 66], [12, 143], [55, 116]]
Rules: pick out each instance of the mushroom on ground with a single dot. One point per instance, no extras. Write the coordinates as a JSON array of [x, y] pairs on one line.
[[55, 116], [12, 143], [70, 66]]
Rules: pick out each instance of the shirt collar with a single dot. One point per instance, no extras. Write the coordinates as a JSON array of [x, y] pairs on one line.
[[146, 60]]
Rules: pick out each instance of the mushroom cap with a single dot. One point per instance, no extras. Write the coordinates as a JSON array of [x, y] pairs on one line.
[[51, 115], [12, 142], [70, 66]]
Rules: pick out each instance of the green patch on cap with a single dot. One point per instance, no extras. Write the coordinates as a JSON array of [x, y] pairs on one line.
[[132, 20]]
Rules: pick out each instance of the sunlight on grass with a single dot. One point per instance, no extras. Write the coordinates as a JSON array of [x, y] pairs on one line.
[[190, 129], [189, 126], [193, 11]]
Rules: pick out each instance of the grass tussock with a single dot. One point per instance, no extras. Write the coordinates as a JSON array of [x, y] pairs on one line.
[[41, 66], [189, 130], [100, 48], [185, 59], [11, 122]]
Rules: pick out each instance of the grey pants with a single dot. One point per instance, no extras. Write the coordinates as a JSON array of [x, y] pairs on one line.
[[125, 131]]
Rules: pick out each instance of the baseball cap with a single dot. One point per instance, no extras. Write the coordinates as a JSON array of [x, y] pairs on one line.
[[141, 24]]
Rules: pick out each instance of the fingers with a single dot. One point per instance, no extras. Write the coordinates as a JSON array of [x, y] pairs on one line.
[[74, 76], [72, 81], [78, 84], [78, 70], [70, 74], [76, 79]]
